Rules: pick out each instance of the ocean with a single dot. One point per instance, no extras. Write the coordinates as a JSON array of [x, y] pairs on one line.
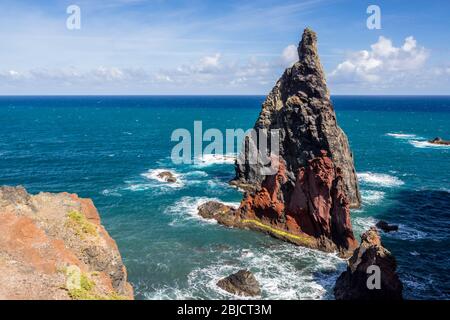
[[110, 149]]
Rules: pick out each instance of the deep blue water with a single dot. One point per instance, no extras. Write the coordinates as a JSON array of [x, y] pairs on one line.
[[108, 148]]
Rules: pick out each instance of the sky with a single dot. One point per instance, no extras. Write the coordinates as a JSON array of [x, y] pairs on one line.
[[232, 47]]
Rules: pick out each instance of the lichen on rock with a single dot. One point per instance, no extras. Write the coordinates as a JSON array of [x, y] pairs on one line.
[[49, 240]]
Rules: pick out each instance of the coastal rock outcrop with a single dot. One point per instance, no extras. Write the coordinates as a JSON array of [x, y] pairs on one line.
[[440, 141], [53, 246], [167, 176], [241, 283], [299, 106], [352, 284], [386, 227], [307, 199]]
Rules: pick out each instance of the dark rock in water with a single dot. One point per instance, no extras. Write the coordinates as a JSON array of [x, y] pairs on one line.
[[306, 199], [386, 227], [213, 209], [300, 107], [167, 176], [440, 141], [241, 283], [352, 284]]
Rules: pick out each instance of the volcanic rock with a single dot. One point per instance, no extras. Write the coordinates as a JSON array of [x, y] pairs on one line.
[[352, 284], [53, 246], [306, 198], [299, 106], [440, 141], [386, 227], [241, 283], [167, 176]]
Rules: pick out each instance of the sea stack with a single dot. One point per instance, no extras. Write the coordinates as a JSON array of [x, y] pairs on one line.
[[352, 284], [300, 107], [53, 247], [307, 200]]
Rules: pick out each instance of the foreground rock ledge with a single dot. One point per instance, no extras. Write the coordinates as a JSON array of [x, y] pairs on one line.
[[52, 246], [352, 283]]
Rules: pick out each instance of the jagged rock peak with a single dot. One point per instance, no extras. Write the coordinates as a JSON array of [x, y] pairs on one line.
[[307, 48], [299, 106]]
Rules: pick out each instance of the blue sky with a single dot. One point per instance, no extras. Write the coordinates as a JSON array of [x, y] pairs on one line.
[[220, 47]]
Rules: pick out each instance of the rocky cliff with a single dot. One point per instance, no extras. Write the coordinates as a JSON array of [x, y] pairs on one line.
[[299, 106], [352, 283], [53, 246], [307, 199]]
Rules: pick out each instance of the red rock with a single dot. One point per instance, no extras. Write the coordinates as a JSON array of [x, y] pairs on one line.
[[39, 242]]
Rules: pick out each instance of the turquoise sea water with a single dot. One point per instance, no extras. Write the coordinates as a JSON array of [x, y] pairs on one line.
[[108, 148]]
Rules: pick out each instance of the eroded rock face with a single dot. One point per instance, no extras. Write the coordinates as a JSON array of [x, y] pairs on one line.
[[352, 283], [53, 246], [241, 283], [314, 214], [308, 198], [300, 107]]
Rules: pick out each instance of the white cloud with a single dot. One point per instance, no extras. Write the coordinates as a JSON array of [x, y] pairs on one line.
[[289, 55], [383, 63]]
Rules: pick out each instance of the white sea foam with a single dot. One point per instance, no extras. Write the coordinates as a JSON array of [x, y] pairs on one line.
[[379, 179], [362, 224], [406, 136], [111, 193], [371, 197], [283, 271], [408, 233], [422, 144], [213, 159]]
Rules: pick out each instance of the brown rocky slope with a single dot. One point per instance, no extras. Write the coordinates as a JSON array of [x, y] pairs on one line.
[[53, 246]]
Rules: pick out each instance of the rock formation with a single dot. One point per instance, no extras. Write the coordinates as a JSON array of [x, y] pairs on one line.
[[299, 106], [352, 283], [52, 246], [440, 141], [307, 200], [167, 176], [386, 227], [241, 283]]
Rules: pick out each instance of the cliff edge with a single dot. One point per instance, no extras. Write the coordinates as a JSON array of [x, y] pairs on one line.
[[53, 246]]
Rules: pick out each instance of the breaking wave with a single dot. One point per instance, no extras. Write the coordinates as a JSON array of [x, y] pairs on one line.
[[379, 179], [215, 159]]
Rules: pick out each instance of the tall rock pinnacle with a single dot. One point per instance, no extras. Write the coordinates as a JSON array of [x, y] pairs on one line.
[[300, 107], [306, 198]]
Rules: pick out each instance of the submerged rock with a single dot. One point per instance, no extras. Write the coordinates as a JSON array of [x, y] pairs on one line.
[[167, 176], [53, 246], [241, 283], [352, 284], [440, 141], [386, 227], [307, 200]]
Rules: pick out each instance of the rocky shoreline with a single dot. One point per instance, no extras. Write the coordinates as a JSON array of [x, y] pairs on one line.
[[53, 247]]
